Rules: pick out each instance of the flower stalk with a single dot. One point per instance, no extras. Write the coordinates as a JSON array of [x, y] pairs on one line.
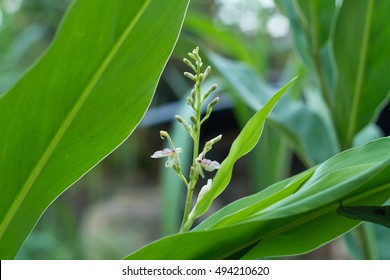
[[199, 162]]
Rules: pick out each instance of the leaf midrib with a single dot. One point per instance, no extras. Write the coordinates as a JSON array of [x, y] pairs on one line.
[[36, 171]]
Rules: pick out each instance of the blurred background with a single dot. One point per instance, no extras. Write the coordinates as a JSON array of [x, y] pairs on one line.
[[129, 199]]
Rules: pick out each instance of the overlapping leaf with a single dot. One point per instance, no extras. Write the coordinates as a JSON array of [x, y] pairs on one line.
[[300, 221], [78, 103], [362, 87]]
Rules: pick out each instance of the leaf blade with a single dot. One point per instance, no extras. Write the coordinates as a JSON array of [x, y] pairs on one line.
[[77, 109], [360, 64]]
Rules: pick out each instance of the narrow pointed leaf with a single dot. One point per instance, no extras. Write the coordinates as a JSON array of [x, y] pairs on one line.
[[362, 86], [78, 103]]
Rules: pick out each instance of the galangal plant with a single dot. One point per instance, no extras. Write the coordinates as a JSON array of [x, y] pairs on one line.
[[337, 98], [290, 217]]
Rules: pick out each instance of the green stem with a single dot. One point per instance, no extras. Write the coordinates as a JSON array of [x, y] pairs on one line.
[[181, 176], [187, 207], [185, 226]]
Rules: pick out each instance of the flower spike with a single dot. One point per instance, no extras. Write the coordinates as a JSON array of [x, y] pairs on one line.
[[193, 125]]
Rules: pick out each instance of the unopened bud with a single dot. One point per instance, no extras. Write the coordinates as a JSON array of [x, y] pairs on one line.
[[214, 102], [190, 55], [184, 123], [180, 119], [205, 189], [190, 76], [209, 144], [209, 91], [193, 119], [189, 64], [193, 94], [207, 71], [201, 77], [215, 139]]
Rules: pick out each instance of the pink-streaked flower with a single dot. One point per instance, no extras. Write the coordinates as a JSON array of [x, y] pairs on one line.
[[170, 153], [207, 165]]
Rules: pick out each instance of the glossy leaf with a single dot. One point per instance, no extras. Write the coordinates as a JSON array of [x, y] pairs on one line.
[[304, 129], [78, 103], [300, 214], [374, 214], [362, 87]]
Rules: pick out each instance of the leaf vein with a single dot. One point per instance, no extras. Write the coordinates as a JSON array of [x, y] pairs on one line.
[[68, 121]]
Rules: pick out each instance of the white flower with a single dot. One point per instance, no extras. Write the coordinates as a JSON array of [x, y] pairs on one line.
[[170, 153]]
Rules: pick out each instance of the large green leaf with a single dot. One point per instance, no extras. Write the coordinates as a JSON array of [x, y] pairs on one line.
[[362, 62], [298, 215], [303, 128], [78, 103]]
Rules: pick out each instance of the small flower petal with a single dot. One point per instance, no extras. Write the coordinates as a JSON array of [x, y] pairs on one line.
[[209, 165], [163, 153], [166, 153], [170, 162]]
